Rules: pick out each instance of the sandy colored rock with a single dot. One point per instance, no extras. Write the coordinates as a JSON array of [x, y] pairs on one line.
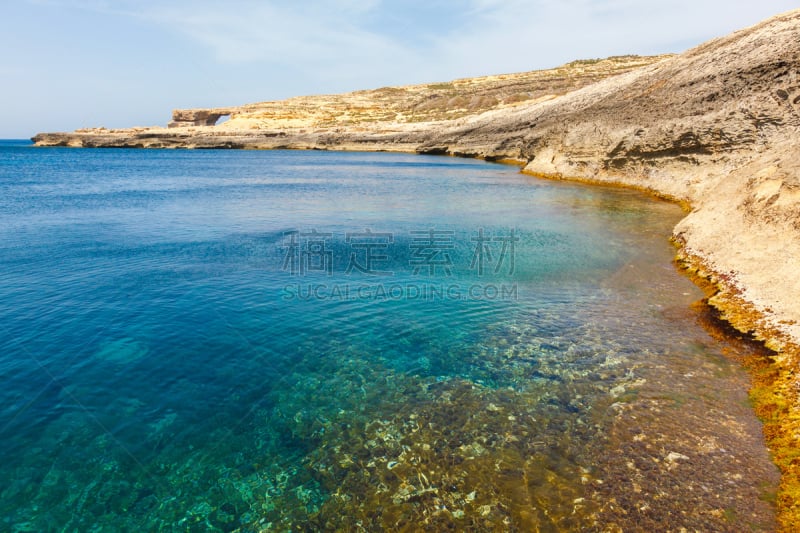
[[392, 118]]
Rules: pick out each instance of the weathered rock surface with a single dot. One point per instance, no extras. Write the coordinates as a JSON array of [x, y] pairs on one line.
[[718, 127], [198, 117], [395, 118]]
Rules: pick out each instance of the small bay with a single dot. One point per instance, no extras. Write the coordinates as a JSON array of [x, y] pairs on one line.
[[247, 341]]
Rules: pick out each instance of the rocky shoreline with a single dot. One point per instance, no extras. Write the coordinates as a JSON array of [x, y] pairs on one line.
[[716, 128]]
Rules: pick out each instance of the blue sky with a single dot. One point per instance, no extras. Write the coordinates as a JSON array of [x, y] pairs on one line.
[[75, 63]]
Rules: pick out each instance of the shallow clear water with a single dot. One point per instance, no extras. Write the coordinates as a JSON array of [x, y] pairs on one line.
[[205, 340]]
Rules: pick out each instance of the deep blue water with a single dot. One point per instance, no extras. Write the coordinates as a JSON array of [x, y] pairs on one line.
[[242, 340]]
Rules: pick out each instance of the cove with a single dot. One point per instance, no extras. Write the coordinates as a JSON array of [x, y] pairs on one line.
[[158, 375]]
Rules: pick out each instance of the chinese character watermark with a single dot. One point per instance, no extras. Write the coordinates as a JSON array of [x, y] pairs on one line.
[[426, 252], [482, 254], [430, 249], [307, 252], [370, 243]]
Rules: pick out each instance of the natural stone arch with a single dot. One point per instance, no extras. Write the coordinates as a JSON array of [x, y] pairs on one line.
[[197, 117]]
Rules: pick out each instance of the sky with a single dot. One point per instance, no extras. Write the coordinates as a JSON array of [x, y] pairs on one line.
[[69, 64]]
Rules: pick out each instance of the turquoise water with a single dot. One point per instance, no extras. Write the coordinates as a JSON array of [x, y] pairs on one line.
[[249, 341]]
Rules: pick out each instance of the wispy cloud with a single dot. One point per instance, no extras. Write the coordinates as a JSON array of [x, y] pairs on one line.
[[246, 31], [513, 35], [325, 39], [341, 38]]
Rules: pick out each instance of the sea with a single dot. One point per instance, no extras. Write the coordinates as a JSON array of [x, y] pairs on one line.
[[223, 340]]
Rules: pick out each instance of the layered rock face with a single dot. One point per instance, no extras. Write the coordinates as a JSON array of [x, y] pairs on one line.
[[198, 117], [392, 118], [718, 127]]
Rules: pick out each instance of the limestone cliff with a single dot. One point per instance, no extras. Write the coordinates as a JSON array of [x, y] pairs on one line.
[[717, 127], [395, 118]]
